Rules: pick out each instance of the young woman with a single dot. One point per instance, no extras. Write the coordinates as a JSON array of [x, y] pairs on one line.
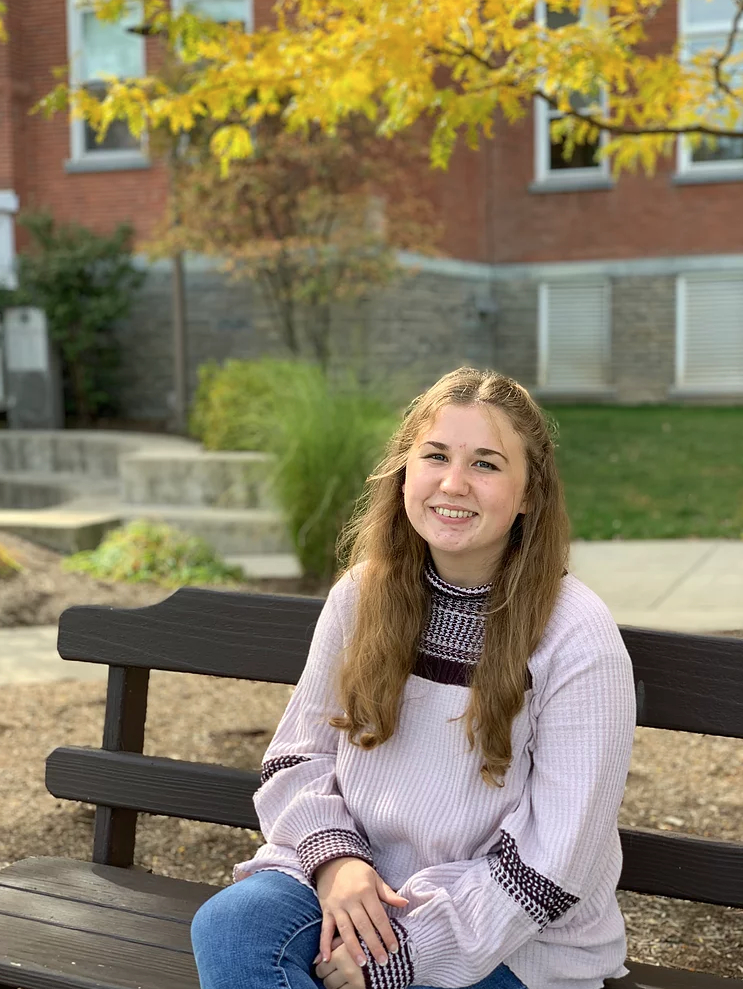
[[443, 787]]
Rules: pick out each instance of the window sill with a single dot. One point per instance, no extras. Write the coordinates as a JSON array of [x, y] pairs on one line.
[[75, 166], [546, 393], [596, 183], [708, 177]]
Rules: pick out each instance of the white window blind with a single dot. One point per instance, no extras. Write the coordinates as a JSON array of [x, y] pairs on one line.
[[710, 333], [574, 335]]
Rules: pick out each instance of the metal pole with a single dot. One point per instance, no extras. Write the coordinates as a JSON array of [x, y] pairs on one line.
[[180, 353]]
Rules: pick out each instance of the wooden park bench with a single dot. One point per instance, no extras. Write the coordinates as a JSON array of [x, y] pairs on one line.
[[105, 925]]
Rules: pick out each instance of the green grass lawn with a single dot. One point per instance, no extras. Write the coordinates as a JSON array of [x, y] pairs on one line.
[[652, 472]]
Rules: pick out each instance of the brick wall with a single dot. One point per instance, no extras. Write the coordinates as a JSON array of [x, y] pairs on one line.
[[484, 201]]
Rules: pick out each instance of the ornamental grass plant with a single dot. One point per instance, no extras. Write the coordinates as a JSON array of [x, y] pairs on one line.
[[234, 403], [327, 438]]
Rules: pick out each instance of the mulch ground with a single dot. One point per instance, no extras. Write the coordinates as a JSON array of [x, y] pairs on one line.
[[677, 782]]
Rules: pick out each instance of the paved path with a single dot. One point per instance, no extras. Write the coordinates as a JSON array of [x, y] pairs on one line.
[[682, 585]]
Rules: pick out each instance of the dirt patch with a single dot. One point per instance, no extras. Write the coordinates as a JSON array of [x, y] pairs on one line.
[[677, 782]]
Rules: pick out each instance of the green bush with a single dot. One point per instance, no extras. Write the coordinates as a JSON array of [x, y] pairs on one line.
[[232, 409], [152, 551], [326, 440], [85, 283]]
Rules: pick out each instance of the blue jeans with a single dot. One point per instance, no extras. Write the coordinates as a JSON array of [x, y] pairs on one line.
[[264, 933]]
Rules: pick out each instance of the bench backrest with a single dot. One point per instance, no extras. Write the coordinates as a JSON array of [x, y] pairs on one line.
[[683, 682]]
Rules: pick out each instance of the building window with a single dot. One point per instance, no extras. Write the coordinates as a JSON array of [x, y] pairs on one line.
[[574, 335], [709, 333], [99, 50], [221, 11], [551, 163], [705, 25]]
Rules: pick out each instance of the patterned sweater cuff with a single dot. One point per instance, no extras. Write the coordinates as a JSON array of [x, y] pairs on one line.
[[333, 843], [398, 972]]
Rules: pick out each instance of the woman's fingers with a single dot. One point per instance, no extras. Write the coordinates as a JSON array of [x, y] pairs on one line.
[[347, 931], [365, 927], [381, 922], [326, 935]]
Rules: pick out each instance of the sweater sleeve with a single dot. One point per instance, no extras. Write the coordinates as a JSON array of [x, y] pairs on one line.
[[466, 917], [298, 803]]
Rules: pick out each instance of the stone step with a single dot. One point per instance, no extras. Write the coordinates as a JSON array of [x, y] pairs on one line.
[[200, 478], [238, 532], [277, 565], [233, 531], [33, 490], [64, 531], [90, 452]]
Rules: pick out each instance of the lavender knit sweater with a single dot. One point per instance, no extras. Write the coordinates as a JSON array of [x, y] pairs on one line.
[[525, 874]]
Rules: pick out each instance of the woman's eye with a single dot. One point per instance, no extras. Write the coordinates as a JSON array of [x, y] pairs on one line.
[[487, 463]]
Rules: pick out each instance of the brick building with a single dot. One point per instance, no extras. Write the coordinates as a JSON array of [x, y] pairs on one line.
[[577, 284]]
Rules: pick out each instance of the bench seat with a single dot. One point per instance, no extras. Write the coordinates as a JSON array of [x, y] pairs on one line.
[[69, 924]]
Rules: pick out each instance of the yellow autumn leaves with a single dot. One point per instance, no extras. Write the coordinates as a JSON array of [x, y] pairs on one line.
[[461, 63]]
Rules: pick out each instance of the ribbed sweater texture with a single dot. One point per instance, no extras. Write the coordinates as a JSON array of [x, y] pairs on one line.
[[524, 874]]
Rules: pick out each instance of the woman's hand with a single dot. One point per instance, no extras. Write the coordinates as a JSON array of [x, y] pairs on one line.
[[341, 970], [351, 895]]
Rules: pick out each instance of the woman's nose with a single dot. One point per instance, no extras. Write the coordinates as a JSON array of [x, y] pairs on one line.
[[455, 479]]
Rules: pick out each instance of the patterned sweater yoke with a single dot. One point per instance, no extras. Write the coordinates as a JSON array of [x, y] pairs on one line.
[[524, 873]]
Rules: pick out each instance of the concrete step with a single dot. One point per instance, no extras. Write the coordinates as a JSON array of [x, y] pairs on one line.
[[90, 452], [64, 531], [33, 490], [233, 531], [238, 532], [200, 478], [278, 565]]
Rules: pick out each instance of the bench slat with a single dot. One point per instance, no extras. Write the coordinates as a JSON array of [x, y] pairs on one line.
[[155, 785], [655, 977], [220, 633], [687, 682], [684, 867], [712, 870], [267, 637], [59, 958], [94, 919], [134, 890]]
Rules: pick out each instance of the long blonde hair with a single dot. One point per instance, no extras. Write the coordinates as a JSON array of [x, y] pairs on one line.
[[394, 599]]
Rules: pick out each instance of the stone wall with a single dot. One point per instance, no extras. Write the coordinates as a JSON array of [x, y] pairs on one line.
[[439, 315], [403, 339]]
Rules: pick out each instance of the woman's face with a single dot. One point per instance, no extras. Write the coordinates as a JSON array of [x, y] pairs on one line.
[[469, 458]]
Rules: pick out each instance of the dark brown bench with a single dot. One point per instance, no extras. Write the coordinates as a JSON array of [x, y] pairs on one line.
[[66, 924]]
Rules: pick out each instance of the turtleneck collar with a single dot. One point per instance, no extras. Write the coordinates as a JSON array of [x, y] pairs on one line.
[[452, 590]]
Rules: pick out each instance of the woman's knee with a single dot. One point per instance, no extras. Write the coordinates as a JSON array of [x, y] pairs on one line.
[[253, 912]]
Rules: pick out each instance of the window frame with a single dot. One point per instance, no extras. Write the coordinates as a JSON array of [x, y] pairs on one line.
[[543, 112], [104, 158], [179, 5], [687, 31]]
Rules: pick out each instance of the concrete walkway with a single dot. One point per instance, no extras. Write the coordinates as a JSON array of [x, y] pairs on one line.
[[681, 585]]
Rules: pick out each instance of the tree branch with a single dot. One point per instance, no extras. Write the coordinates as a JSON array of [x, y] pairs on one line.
[[726, 53], [601, 123]]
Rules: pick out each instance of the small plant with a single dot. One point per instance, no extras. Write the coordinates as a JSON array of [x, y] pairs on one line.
[[145, 550], [8, 564]]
